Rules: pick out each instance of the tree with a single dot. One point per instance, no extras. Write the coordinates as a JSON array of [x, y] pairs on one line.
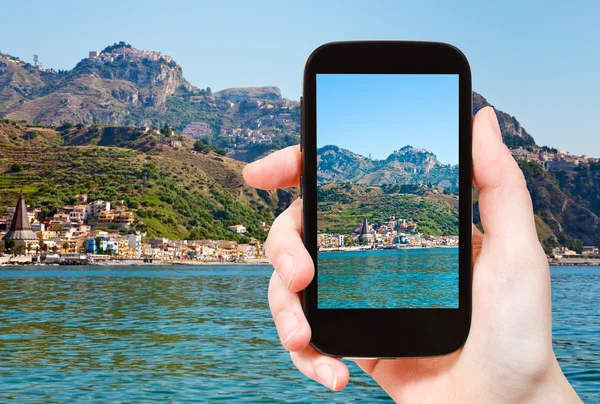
[[54, 249], [9, 245], [17, 167], [99, 248], [65, 246], [208, 91], [20, 250], [65, 126], [202, 146], [166, 131], [84, 245]]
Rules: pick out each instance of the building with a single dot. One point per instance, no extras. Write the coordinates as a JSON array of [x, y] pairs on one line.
[[81, 198], [176, 144], [365, 236], [32, 214], [93, 209], [197, 130], [237, 228], [105, 216], [109, 245], [589, 250], [560, 165], [135, 243], [19, 233], [125, 218], [93, 54]]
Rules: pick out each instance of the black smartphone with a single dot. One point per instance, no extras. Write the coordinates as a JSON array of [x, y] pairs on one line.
[[386, 190]]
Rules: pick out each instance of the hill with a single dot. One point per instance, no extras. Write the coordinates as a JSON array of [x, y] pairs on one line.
[[173, 192], [513, 134], [407, 165], [140, 88], [342, 207], [126, 86]]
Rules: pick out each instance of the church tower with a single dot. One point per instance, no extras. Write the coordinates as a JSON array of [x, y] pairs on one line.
[[20, 232]]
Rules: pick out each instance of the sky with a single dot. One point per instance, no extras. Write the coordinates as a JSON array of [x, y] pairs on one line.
[[375, 114], [537, 60]]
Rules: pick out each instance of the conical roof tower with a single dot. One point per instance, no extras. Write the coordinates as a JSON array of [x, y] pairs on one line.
[[20, 229], [364, 230]]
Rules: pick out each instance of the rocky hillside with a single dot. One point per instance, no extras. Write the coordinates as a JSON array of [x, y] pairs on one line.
[[513, 133], [407, 165], [126, 86]]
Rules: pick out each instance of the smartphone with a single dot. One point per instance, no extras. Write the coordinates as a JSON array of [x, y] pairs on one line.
[[386, 191]]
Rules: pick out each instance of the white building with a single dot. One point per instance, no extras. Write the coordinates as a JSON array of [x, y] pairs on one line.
[[93, 209], [237, 228], [110, 244], [135, 243]]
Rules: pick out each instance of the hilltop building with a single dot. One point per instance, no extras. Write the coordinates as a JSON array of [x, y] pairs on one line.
[[237, 228], [20, 232], [197, 130]]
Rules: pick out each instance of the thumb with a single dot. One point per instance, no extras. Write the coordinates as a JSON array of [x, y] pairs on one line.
[[504, 202]]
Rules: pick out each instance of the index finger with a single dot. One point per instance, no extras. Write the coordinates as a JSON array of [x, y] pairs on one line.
[[280, 169]]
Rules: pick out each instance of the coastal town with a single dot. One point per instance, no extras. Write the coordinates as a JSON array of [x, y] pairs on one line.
[[393, 234], [95, 232], [553, 159]]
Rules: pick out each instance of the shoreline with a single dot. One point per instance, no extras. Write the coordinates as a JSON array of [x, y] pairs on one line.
[[133, 263], [354, 249]]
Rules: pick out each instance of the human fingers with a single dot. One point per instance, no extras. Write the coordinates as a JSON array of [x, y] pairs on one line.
[[286, 250], [477, 242], [328, 371], [504, 201], [280, 169], [292, 326]]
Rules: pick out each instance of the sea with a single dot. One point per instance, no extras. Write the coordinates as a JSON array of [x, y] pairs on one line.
[[202, 334], [388, 279]]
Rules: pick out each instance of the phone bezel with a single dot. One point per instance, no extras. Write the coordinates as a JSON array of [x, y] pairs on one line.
[[387, 333]]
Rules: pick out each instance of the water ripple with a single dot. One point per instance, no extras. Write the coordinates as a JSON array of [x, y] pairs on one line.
[[200, 335]]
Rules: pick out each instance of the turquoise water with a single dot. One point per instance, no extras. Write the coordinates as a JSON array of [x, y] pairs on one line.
[[200, 334], [384, 279]]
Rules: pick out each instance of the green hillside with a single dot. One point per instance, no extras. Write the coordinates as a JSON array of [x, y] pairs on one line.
[[341, 208], [173, 193]]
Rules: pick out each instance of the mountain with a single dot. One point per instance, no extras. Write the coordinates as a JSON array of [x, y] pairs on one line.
[[513, 134], [122, 85], [173, 192], [408, 165], [125, 86]]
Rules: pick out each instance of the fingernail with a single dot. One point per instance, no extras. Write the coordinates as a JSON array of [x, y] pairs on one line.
[[286, 268], [287, 323], [327, 375], [494, 120]]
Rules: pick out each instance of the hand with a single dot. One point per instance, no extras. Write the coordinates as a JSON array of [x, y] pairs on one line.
[[508, 355]]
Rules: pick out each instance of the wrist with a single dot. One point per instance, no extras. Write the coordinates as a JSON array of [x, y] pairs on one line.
[[554, 388]]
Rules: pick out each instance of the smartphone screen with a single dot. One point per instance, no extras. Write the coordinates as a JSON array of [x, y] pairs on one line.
[[387, 191]]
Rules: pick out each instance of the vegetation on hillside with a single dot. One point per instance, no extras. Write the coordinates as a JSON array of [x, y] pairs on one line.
[[172, 193], [342, 207]]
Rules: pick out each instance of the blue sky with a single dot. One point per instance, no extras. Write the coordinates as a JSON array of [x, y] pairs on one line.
[[375, 114], [537, 60]]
